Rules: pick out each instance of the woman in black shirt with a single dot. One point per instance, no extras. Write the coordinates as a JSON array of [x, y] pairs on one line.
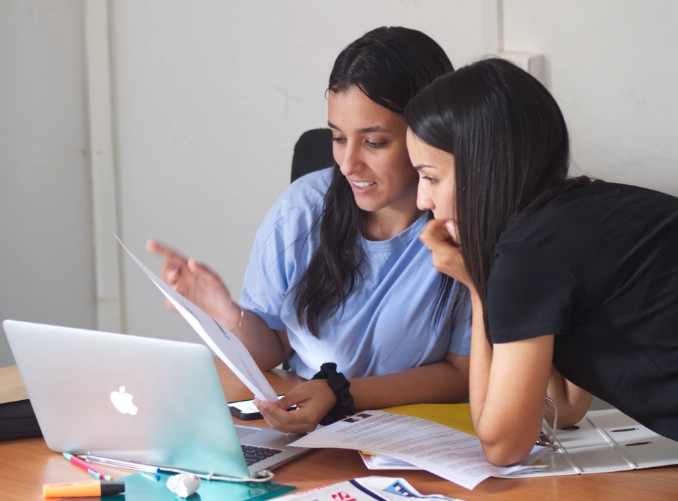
[[573, 282]]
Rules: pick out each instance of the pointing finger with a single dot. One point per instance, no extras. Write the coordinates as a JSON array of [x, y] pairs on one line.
[[155, 247]]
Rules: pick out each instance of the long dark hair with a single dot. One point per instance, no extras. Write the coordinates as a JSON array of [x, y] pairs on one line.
[[511, 152], [390, 65]]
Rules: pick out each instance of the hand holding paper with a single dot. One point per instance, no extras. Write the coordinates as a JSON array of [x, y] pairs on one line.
[[222, 342], [313, 399]]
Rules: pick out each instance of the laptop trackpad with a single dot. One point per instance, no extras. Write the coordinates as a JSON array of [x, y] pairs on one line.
[[265, 437], [243, 431]]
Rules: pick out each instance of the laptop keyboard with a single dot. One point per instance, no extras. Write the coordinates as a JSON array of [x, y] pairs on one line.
[[255, 454]]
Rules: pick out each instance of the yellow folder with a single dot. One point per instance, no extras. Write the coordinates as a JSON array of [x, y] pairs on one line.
[[457, 416]]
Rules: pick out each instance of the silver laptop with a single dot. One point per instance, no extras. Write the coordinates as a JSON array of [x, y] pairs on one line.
[[136, 399]]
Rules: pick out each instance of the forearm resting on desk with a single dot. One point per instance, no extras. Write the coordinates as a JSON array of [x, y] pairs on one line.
[[441, 382], [444, 381]]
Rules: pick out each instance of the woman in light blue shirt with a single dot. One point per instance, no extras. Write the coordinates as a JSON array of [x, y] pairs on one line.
[[337, 273]]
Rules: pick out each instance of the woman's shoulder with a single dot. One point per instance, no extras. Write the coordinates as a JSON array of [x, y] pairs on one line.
[[646, 197], [299, 206], [306, 192], [595, 211], [603, 202]]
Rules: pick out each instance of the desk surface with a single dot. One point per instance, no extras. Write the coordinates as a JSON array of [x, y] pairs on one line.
[[25, 465]]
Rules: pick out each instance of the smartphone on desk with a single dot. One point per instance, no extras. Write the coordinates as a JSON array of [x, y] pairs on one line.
[[245, 409]]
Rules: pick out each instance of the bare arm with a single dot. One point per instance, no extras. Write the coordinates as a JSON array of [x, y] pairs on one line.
[[508, 384], [508, 381], [572, 401], [269, 348], [444, 381], [441, 382], [204, 288]]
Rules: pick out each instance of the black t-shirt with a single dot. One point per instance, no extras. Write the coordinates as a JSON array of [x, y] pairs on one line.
[[598, 268]]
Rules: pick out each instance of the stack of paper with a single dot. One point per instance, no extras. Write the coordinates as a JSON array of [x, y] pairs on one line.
[[604, 441], [444, 451]]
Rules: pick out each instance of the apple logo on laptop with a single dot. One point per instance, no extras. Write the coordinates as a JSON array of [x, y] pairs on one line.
[[123, 402]]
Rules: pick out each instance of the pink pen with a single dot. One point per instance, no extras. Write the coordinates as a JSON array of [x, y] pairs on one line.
[[87, 467]]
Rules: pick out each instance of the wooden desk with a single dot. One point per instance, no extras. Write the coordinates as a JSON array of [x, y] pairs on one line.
[[25, 465]]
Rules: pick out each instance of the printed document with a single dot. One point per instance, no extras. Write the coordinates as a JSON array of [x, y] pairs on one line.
[[222, 341], [451, 454], [364, 489]]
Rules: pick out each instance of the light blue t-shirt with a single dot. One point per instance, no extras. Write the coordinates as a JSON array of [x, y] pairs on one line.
[[385, 325]]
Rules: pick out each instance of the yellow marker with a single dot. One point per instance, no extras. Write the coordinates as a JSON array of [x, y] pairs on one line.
[[83, 489]]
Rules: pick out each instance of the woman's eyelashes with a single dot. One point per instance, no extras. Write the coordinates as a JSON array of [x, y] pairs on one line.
[[430, 179], [376, 144], [370, 144]]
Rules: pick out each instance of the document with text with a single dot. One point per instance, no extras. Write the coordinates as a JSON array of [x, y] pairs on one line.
[[364, 489], [222, 341], [451, 454]]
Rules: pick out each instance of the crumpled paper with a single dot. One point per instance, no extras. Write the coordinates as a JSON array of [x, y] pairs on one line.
[[183, 484]]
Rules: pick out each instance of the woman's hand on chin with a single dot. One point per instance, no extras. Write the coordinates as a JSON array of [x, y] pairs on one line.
[[441, 238]]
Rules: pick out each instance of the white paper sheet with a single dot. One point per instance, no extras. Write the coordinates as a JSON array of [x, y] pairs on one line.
[[451, 454], [364, 489], [222, 341], [381, 462]]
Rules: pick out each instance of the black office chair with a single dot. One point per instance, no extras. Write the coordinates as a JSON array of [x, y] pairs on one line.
[[312, 152]]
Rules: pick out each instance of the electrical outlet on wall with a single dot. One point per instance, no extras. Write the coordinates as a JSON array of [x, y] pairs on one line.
[[530, 62]]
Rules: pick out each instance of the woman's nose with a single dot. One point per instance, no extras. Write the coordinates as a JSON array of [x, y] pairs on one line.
[[424, 201], [349, 160]]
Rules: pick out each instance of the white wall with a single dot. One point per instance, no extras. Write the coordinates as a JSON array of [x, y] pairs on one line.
[[210, 99], [611, 65], [46, 265]]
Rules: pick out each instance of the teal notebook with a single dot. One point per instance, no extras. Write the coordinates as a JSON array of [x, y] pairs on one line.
[[153, 487]]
